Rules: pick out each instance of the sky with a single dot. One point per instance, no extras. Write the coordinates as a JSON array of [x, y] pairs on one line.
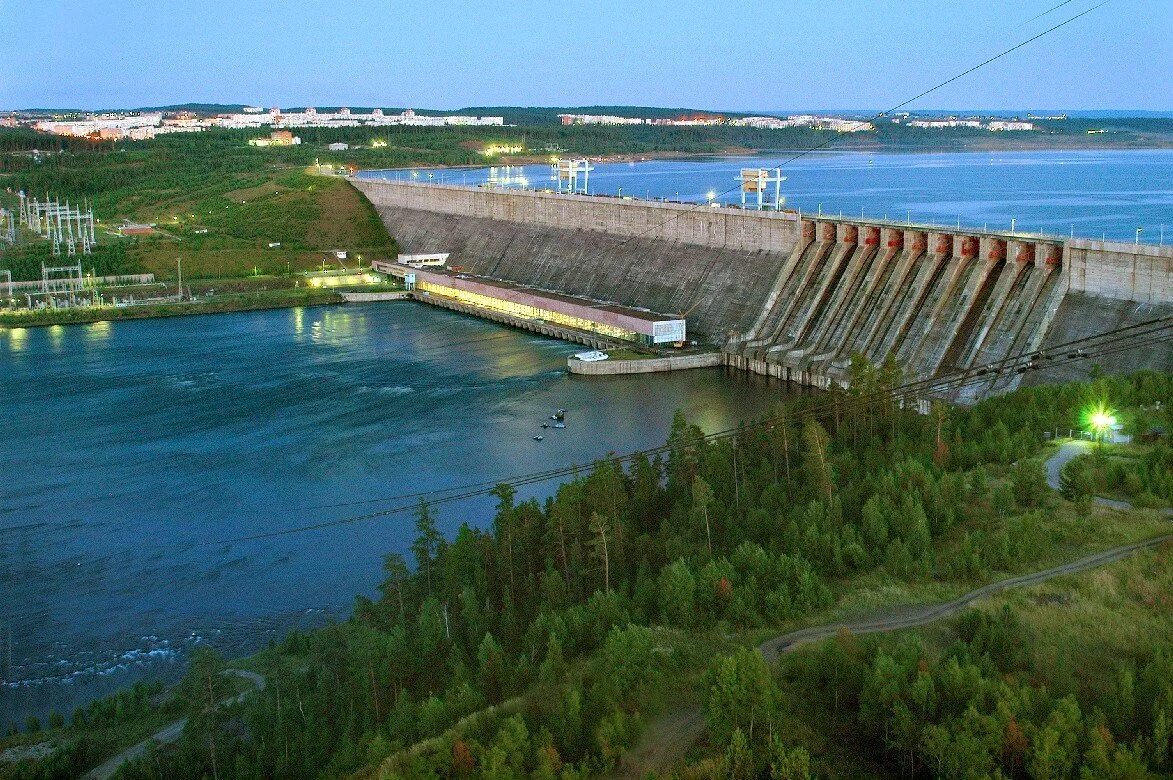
[[718, 54]]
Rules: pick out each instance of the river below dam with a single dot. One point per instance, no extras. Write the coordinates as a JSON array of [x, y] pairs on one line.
[[134, 449], [1092, 194]]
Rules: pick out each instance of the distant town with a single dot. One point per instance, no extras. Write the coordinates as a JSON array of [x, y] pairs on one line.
[[835, 123], [147, 125]]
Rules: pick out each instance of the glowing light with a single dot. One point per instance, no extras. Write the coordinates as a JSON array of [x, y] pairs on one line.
[[711, 195], [1102, 421], [98, 331], [17, 338], [492, 150]]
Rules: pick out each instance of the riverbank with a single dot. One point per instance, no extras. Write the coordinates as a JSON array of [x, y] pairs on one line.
[[257, 300]]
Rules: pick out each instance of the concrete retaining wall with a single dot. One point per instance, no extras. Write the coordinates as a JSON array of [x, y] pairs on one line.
[[1125, 272], [592, 340], [367, 297], [646, 366], [719, 228], [1081, 315]]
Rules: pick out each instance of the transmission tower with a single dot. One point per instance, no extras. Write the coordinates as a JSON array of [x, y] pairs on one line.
[[62, 225], [7, 226]]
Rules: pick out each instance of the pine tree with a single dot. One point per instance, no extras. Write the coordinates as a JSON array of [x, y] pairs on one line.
[[427, 541]]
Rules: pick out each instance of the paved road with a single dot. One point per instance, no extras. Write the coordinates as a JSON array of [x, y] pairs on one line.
[[668, 739], [167, 734], [1070, 450]]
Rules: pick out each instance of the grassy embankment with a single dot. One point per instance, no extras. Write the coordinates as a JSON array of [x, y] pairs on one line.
[[222, 236], [217, 204]]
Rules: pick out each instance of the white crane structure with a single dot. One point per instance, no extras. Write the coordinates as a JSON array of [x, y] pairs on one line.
[[755, 183], [573, 175]]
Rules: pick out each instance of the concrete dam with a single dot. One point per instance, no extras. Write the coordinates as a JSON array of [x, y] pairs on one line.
[[795, 295]]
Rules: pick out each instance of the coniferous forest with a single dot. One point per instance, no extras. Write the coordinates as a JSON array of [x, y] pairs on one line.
[[566, 636]]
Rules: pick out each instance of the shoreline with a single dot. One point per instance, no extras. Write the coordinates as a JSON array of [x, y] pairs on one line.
[[166, 310], [740, 151]]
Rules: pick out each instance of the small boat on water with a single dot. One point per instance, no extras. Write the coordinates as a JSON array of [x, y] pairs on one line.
[[545, 425], [559, 425], [539, 438], [559, 415]]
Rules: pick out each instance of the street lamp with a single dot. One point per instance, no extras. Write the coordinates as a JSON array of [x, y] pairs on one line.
[[1139, 230], [1102, 421]]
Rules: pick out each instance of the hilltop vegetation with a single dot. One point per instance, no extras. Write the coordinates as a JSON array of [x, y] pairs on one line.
[[1073, 678], [216, 201], [545, 645]]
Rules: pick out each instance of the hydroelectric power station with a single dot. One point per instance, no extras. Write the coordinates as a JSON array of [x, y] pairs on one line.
[[794, 295]]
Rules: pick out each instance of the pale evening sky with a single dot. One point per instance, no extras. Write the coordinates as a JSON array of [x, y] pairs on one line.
[[731, 54]]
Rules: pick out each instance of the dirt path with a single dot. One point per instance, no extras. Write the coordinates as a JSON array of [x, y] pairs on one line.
[[666, 741], [167, 734]]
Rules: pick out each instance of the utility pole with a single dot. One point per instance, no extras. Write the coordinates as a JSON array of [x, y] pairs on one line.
[[179, 264]]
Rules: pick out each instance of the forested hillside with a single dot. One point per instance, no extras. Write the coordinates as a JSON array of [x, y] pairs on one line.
[[544, 645]]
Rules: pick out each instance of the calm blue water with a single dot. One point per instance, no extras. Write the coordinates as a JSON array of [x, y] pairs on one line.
[[1093, 194], [133, 449]]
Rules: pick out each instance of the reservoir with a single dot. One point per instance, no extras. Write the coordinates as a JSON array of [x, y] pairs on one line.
[[1088, 194], [135, 450]]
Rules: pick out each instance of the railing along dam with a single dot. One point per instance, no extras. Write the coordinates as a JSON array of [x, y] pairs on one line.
[[794, 295]]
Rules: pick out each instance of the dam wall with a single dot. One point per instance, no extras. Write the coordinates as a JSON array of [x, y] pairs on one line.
[[716, 228], [792, 295], [1124, 272], [713, 265]]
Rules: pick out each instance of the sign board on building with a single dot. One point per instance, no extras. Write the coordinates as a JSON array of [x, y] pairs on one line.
[[665, 331]]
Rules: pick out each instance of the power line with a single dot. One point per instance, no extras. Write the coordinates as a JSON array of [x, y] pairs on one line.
[[1117, 340], [1045, 13], [986, 373], [898, 106], [961, 379], [1038, 359]]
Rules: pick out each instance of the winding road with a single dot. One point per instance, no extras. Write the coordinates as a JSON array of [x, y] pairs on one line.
[[667, 739], [167, 734], [1068, 451]]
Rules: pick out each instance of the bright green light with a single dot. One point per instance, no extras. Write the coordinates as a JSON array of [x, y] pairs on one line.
[[1100, 419]]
